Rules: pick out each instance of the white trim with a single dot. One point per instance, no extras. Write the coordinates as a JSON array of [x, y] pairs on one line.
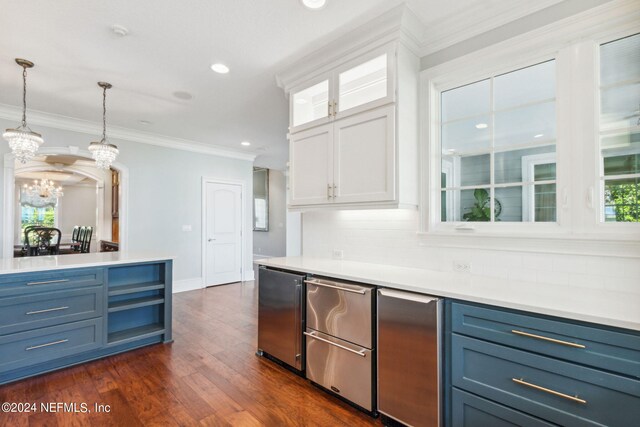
[[56, 121], [185, 285], [475, 20], [243, 218], [9, 201]]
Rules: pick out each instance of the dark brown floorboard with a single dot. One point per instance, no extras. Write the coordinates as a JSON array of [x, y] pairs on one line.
[[209, 376]]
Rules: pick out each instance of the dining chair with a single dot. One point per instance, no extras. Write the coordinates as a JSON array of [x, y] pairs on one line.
[[81, 233], [85, 245], [42, 241]]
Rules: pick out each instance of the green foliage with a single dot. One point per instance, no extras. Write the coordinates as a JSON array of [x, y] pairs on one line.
[[481, 209], [624, 199]]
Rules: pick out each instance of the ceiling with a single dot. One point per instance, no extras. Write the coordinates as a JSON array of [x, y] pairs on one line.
[[168, 51]]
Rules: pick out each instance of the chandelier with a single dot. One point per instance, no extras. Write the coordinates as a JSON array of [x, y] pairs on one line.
[[103, 153], [23, 141], [45, 189]]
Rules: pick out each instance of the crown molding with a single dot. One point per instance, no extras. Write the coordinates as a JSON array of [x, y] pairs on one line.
[[399, 24], [10, 112], [475, 20]]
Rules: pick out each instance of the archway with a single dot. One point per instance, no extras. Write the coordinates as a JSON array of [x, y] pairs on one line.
[[9, 199]]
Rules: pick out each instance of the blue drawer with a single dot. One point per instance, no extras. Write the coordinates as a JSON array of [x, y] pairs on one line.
[[42, 345], [613, 351], [543, 387], [469, 410], [19, 284], [44, 309]]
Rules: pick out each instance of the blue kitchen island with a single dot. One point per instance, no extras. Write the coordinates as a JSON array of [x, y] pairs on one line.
[[58, 311]]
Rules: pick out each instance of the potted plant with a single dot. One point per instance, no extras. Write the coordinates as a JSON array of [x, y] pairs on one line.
[[481, 209]]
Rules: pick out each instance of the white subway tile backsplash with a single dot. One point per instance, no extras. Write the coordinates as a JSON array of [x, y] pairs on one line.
[[389, 237]]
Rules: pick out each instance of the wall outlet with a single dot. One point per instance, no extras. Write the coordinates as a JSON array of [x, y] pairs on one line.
[[338, 254], [462, 266]]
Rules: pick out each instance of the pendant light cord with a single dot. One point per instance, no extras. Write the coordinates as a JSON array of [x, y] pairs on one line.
[[24, 97], [104, 115]]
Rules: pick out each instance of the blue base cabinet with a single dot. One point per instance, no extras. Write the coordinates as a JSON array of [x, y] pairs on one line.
[[51, 320], [512, 368]]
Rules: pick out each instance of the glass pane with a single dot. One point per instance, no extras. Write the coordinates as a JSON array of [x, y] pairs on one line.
[[621, 200], [475, 205], [525, 86], [622, 165], [544, 172], [466, 101], [443, 205], [545, 202], [311, 104], [519, 165], [623, 140], [620, 106], [508, 204], [475, 170], [466, 136], [525, 125], [364, 83], [620, 60]]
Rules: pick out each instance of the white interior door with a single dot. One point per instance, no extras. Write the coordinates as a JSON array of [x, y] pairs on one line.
[[223, 233]]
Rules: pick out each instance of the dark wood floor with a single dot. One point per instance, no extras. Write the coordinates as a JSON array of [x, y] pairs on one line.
[[208, 376]]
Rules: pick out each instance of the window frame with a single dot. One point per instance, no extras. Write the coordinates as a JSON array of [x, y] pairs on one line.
[[575, 48]]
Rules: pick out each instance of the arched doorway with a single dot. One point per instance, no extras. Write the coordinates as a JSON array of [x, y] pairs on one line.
[[9, 219]]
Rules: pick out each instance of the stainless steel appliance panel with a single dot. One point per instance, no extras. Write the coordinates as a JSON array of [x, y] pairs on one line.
[[340, 366], [280, 316], [408, 357], [340, 309]]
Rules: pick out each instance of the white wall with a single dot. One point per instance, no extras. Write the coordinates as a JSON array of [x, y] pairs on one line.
[[273, 242], [165, 194], [390, 237], [78, 206]]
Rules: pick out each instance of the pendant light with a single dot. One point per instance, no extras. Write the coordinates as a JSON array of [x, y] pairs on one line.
[[103, 153], [23, 141]]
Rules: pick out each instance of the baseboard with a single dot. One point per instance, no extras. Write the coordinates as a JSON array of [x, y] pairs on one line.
[[248, 275], [187, 285]]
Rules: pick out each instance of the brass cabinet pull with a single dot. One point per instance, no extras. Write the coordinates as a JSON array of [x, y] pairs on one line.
[[335, 108], [548, 390], [46, 345], [47, 282], [329, 114], [47, 310], [540, 337], [328, 191]]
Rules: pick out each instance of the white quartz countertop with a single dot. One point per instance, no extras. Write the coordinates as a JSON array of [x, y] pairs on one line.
[[620, 308], [60, 262]]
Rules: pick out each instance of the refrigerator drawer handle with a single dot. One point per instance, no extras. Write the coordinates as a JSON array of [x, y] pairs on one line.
[[326, 285], [359, 353], [407, 296]]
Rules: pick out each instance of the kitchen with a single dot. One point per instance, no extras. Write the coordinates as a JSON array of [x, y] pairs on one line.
[[466, 196]]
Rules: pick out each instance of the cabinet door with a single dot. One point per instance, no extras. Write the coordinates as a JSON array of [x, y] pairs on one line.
[[364, 157], [310, 105], [365, 83], [311, 154]]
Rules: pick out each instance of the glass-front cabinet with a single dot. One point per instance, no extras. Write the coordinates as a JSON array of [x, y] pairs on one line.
[[357, 85]]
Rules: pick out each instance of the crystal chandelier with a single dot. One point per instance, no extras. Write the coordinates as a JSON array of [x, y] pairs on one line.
[[45, 189], [103, 153], [23, 141]]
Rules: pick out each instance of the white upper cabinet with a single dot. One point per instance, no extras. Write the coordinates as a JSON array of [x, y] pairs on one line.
[[310, 105], [358, 85]]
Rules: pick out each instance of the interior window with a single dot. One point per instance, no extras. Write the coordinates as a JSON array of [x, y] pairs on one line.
[[498, 143], [620, 130]]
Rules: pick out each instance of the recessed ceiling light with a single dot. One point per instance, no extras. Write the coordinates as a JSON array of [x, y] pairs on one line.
[[314, 4], [482, 126], [220, 68], [540, 135], [245, 143]]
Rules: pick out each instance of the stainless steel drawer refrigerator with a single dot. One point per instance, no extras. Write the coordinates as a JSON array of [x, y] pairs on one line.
[[281, 316], [340, 339], [409, 357]]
